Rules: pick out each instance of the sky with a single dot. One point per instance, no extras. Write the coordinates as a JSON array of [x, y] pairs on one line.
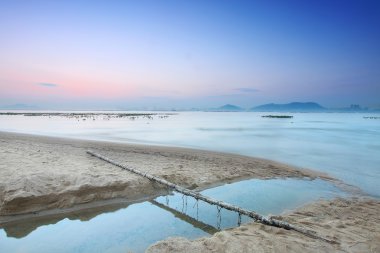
[[188, 54]]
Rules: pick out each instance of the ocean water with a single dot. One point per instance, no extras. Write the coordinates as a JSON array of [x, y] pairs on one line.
[[344, 145], [133, 228]]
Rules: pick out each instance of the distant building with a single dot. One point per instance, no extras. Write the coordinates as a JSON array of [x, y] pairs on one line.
[[355, 107]]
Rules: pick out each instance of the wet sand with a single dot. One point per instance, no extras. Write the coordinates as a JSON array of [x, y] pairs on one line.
[[46, 176], [353, 224]]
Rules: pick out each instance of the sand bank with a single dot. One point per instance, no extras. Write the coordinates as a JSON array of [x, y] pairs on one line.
[[45, 173], [353, 224]]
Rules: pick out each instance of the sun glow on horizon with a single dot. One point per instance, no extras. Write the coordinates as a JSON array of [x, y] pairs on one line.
[[203, 52]]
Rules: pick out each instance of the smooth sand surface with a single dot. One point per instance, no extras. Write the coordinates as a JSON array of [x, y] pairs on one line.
[[353, 224], [45, 173]]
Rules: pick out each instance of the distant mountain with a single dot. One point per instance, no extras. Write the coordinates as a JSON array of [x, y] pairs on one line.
[[352, 108], [291, 107], [229, 108]]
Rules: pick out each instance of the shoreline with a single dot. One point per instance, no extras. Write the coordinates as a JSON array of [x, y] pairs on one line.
[[352, 223], [45, 178], [43, 173]]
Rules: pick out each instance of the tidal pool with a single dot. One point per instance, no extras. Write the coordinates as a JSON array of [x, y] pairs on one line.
[[133, 228]]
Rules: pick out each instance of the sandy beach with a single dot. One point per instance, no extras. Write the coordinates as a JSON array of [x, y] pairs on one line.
[[43, 173], [47, 175], [353, 224]]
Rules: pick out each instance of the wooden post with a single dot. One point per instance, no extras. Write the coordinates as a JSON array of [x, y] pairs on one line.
[[255, 216]]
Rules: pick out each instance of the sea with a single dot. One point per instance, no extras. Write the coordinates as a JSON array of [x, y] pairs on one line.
[[344, 145]]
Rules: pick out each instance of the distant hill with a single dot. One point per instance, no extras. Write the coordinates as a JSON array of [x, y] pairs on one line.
[[226, 108], [229, 108], [291, 107], [352, 108]]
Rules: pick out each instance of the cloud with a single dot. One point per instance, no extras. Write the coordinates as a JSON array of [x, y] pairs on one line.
[[246, 90], [50, 85]]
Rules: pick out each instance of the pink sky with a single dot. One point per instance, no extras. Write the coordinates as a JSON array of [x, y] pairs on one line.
[[190, 53]]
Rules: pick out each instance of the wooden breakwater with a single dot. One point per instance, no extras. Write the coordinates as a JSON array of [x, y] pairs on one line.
[[241, 211]]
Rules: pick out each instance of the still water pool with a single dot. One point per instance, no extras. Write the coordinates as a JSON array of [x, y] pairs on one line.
[[133, 228]]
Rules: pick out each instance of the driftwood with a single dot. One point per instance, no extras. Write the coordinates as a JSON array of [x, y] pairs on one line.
[[255, 216], [196, 223]]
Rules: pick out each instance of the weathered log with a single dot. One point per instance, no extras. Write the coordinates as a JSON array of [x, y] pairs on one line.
[[255, 216], [196, 223]]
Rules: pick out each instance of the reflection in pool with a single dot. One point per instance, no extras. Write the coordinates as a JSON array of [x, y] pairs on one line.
[[122, 228]]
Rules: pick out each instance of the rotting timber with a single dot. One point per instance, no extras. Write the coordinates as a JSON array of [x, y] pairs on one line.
[[241, 211], [194, 222]]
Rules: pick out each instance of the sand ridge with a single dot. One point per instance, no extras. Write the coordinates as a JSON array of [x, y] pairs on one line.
[[43, 173], [46, 175], [352, 223]]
